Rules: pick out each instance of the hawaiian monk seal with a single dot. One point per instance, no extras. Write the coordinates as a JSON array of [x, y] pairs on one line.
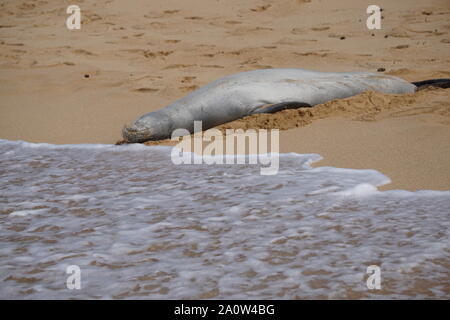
[[260, 91]]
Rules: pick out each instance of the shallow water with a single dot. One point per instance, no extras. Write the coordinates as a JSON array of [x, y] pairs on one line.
[[140, 227]]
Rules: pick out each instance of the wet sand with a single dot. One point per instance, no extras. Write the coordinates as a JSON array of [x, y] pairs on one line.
[[385, 145]]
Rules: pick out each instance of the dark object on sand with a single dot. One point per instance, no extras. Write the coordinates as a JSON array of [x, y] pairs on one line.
[[439, 83]]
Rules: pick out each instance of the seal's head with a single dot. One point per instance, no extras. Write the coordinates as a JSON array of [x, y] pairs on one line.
[[148, 127], [136, 135]]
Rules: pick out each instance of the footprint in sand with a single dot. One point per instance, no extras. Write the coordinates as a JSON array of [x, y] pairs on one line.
[[145, 90], [224, 24], [314, 54], [251, 61], [402, 46], [150, 54], [248, 31], [399, 32], [26, 6], [233, 22], [171, 11], [205, 46], [157, 25], [334, 35], [172, 41], [83, 52], [261, 8], [189, 88], [188, 79], [261, 66], [298, 31], [90, 17], [216, 66], [237, 52], [320, 28], [293, 42], [179, 66]]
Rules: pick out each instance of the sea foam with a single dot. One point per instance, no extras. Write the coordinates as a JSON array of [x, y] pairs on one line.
[[139, 226]]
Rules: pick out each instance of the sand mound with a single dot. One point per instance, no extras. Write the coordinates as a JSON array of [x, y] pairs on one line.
[[366, 106]]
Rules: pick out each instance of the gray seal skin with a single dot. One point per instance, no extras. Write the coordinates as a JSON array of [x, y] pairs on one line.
[[260, 91]]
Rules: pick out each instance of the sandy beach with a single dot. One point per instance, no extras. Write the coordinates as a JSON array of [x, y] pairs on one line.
[[137, 225], [82, 86]]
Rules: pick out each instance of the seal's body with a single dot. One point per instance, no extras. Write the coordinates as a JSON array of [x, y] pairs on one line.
[[260, 91]]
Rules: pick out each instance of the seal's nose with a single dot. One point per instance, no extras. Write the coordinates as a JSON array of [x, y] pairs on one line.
[[135, 134]]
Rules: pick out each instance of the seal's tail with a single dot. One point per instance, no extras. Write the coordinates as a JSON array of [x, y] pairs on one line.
[[439, 83]]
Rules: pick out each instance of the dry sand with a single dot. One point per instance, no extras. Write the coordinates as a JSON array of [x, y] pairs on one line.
[[141, 56]]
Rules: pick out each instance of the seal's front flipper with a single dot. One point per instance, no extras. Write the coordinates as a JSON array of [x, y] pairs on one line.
[[272, 108]]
